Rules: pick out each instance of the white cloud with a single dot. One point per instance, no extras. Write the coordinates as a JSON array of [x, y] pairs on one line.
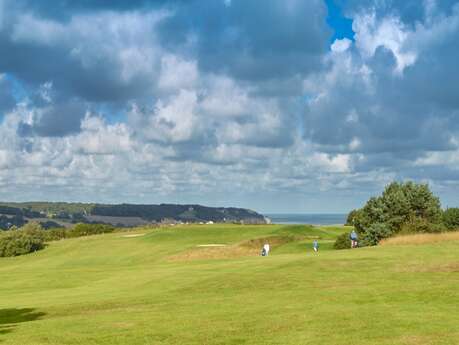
[[222, 96], [97, 137], [29, 29], [198, 132], [388, 32], [171, 121], [341, 45], [177, 73], [355, 144]]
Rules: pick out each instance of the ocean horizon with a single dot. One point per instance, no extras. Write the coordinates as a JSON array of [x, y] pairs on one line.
[[307, 218]]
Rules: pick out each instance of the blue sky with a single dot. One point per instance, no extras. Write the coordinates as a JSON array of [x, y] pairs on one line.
[[279, 106], [341, 25]]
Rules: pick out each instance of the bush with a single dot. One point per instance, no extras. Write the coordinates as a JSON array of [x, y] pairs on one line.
[[55, 234], [19, 242], [343, 241], [451, 218], [32, 227], [83, 229], [416, 225], [375, 233], [31, 237]]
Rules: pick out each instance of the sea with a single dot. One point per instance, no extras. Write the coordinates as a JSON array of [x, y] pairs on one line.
[[308, 218]]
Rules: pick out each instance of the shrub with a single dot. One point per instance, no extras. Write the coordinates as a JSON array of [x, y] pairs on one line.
[[375, 233], [19, 242], [83, 229], [55, 234], [32, 227], [417, 225], [31, 237], [343, 241], [451, 218]]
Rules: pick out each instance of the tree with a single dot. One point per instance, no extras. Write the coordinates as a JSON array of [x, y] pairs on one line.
[[408, 206], [451, 218], [23, 241], [351, 217]]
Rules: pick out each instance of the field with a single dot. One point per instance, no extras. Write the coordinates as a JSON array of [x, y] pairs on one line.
[[208, 285]]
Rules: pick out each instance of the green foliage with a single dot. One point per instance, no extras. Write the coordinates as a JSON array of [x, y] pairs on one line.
[[83, 229], [31, 237], [375, 233], [451, 218], [351, 217], [406, 206], [26, 240], [416, 225], [55, 234], [32, 227], [343, 241]]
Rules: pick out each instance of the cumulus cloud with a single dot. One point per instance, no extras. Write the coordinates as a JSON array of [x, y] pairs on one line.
[[147, 101], [240, 39], [107, 56], [363, 106], [389, 33], [7, 100]]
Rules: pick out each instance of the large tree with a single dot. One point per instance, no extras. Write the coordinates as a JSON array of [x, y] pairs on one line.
[[401, 206]]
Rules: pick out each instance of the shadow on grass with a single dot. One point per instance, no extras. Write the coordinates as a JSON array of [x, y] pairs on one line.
[[9, 318]]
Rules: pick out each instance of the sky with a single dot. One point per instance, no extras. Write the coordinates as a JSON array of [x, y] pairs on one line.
[[282, 106]]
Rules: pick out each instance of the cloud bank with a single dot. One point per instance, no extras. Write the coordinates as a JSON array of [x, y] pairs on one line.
[[227, 102]]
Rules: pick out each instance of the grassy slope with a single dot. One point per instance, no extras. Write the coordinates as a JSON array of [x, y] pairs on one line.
[[113, 290]]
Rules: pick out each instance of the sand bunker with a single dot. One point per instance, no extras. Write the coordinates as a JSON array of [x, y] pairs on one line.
[[211, 245], [133, 235]]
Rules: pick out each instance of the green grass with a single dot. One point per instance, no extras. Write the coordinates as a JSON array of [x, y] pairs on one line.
[[110, 289]]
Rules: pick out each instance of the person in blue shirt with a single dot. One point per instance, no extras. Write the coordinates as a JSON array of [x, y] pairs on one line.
[[354, 237], [315, 245]]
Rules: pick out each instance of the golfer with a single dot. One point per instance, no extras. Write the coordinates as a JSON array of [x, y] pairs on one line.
[[266, 248], [353, 236], [315, 245]]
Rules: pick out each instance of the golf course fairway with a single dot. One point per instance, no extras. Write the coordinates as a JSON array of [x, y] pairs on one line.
[[207, 284]]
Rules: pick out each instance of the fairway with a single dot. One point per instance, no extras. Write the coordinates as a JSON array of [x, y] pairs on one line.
[[206, 284]]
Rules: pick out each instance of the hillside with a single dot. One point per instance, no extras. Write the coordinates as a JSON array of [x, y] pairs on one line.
[[172, 285], [52, 214]]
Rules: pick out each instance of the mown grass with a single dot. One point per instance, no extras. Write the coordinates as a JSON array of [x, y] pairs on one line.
[[111, 289]]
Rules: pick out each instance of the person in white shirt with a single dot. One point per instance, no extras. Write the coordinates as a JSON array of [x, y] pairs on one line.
[[266, 248]]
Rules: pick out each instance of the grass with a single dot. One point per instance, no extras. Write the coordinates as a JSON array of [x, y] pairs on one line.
[[111, 289], [421, 239]]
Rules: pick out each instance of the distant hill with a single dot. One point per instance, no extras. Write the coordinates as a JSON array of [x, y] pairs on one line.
[[51, 214]]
